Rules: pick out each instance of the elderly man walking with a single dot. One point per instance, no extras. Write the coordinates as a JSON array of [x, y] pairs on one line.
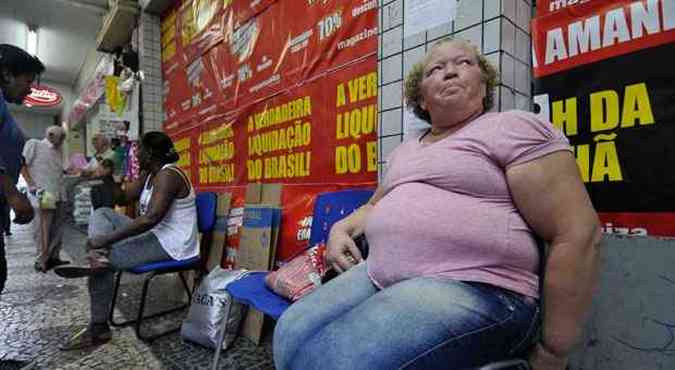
[[43, 171]]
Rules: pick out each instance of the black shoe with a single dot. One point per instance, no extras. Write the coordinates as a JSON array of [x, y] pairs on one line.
[[73, 272], [8, 233], [56, 262]]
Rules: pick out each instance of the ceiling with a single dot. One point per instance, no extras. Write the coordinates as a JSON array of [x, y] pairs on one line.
[[66, 32]]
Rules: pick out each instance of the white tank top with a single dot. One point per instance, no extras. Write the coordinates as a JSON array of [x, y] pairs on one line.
[[177, 231]]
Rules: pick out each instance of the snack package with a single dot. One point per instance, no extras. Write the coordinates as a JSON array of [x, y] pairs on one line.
[[299, 276]]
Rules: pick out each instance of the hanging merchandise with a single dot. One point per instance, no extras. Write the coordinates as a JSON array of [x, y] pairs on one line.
[[133, 167], [115, 100]]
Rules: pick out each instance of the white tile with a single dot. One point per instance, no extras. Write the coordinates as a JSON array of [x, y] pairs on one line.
[[392, 14], [411, 57], [509, 9], [508, 71], [391, 41], [388, 144], [414, 40], [491, 8], [491, 36], [508, 99], [439, 31], [391, 96], [523, 78], [494, 60], [391, 122], [523, 46], [523, 103], [508, 37], [392, 68], [523, 15], [469, 13], [473, 35]]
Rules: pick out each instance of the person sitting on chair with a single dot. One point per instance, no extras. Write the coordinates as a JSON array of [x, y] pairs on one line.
[[166, 229], [104, 191], [451, 277]]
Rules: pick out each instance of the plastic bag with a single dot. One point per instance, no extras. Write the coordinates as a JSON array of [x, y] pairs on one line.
[[210, 306], [299, 276], [46, 199]]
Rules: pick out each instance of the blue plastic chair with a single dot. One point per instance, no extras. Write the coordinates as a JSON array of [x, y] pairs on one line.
[[328, 209], [252, 290], [206, 220]]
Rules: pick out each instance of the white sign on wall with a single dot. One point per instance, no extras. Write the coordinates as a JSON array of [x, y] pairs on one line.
[[421, 15]]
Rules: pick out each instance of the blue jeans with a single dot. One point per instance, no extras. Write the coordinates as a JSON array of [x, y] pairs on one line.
[[124, 254], [420, 323]]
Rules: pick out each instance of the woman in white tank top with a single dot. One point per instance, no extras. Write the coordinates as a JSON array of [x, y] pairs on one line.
[[165, 229]]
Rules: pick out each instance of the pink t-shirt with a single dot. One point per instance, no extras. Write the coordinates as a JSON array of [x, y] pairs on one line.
[[448, 211]]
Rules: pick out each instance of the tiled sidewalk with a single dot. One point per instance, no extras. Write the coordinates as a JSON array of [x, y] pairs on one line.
[[39, 311]]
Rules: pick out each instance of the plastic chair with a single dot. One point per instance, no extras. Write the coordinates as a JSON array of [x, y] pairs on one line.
[[507, 365], [206, 219], [252, 290]]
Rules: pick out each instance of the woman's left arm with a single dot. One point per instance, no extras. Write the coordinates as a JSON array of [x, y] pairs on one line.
[[166, 187], [550, 195]]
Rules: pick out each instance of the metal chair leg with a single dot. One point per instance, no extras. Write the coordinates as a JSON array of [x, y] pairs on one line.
[[144, 294], [138, 321], [185, 285], [221, 337], [116, 287]]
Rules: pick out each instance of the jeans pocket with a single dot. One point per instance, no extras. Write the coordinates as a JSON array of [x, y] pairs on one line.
[[524, 341]]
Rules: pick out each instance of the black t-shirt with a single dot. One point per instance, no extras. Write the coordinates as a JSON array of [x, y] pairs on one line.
[[102, 194]]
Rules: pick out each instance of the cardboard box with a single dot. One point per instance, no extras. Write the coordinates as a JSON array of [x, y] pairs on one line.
[[219, 239], [258, 237], [257, 247]]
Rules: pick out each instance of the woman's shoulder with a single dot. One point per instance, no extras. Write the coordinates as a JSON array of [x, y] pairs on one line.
[[518, 122]]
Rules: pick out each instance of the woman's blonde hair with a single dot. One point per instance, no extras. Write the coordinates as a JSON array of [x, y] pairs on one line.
[[413, 92]]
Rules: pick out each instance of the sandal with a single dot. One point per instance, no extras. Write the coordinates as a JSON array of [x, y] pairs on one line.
[[85, 338], [72, 272], [98, 263]]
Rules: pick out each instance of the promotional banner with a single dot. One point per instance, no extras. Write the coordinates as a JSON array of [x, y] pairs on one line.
[[603, 77], [273, 92]]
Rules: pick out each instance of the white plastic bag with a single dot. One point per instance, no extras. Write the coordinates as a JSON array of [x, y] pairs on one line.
[[210, 306]]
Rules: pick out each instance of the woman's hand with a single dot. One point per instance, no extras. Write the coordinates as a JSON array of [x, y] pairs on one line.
[[341, 251], [96, 242], [541, 359]]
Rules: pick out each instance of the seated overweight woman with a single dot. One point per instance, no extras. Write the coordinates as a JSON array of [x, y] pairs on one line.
[[451, 279], [166, 229]]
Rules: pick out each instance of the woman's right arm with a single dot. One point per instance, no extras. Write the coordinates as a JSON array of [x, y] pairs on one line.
[[342, 253]]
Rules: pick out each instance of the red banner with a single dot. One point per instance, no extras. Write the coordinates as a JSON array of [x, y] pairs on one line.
[[603, 76], [599, 29], [273, 92]]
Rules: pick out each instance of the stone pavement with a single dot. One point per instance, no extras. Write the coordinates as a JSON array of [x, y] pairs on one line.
[[39, 311]]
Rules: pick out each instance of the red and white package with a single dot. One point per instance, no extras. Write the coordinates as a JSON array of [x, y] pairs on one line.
[[299, 276]]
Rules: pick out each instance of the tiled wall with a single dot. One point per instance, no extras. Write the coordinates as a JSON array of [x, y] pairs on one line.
[[500, 29], [150, 58]]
